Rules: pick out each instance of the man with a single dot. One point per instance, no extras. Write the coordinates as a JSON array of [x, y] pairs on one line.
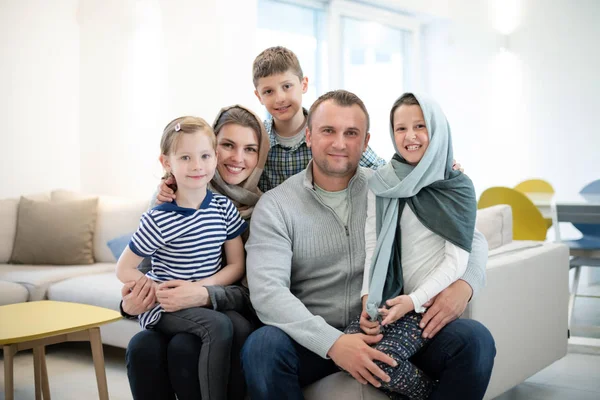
[[305, 261]]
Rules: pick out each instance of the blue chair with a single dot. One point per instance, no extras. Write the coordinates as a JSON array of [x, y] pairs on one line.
[[585, 252]]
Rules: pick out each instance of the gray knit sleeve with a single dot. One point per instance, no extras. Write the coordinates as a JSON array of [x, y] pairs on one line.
[[475, 274]]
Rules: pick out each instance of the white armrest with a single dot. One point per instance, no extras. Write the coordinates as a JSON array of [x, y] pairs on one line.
[[524, 305]]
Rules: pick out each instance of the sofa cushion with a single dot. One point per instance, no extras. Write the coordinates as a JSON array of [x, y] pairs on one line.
[[117, 245], [495, 223], [116, 217], [8, 227], [102, 290], [11, 293], [57, 233], [342, 386], [37, 278]]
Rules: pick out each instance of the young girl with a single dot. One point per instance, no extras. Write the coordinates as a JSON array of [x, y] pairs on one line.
[[419, 230], [187, 240]]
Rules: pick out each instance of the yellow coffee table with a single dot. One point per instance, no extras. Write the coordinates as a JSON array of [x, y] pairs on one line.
[[36, 324]]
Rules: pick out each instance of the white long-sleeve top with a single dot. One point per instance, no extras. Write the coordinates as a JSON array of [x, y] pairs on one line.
[[429, 262]]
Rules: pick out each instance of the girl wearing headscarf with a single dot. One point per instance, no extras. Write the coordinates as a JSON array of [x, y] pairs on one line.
[[419, 230]]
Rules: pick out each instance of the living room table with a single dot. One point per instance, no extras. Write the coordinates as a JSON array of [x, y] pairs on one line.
[[36, 324], [583, 209]]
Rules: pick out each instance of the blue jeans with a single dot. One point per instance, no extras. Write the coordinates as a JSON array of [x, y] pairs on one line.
[[460, 357]]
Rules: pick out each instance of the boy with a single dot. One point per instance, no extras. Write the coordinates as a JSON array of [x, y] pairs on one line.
[[280, 84]]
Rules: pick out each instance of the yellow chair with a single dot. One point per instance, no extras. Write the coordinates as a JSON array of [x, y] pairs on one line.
[[536, 186], [528, 222]]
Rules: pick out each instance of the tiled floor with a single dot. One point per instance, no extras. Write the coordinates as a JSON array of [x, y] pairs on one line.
[[575, 377]]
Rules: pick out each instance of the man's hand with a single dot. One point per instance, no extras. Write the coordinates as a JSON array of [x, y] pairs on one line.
[[366, 325], [353, 354], [457, 167], [445, 307], [399, 306], [178, 295], [138, 297], [165, 194]]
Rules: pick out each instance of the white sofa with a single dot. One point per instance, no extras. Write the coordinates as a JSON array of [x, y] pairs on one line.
[[524, 304]]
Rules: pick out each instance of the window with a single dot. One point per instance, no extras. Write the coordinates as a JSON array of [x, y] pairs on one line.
[[300, 29], [345, 44]]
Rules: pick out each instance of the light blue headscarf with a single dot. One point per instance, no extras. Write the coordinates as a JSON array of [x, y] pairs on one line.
[[442, 199]]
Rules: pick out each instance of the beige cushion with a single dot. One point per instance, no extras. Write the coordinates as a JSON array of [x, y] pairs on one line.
[[496, 225], [37, 278], [8, 227], [57, 233], [116, 217]]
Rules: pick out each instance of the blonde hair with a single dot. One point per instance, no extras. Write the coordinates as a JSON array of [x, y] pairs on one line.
[[275, 60], [180, 126]]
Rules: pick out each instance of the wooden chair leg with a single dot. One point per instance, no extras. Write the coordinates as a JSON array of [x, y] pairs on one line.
[[98, 356], [9, 352], [37, 373], [573, 294]]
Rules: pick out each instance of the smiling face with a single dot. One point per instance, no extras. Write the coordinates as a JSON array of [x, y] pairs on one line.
[[192, 160], [237, 148], [410, 133], [281, 94], [337, 137]]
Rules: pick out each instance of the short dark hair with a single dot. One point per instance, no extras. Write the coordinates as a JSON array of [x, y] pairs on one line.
[[342, 98], [275, 60]]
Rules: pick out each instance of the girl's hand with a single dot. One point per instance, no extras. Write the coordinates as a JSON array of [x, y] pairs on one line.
[[369, 327], [399, 307], [178, 295], [138, 297], [165, 194]]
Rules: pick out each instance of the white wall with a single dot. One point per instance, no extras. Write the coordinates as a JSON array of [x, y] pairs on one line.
[[528, 112], [39, 96], [145, 63], [87, 86]]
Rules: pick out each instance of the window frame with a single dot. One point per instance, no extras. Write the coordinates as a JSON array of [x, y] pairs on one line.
[[339, 9]]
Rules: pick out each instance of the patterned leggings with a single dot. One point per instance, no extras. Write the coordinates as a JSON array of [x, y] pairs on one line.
[[401, 340]]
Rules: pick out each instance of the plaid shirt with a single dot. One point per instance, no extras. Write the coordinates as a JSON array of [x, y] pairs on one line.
[[283, 162]]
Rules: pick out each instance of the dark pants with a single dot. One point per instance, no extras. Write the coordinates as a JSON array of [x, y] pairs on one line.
[[162, 363], [402, 340], [460, 357]]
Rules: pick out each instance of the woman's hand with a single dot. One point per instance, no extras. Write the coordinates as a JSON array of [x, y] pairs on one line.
[[369, 327], [178, 295], [139, 296], [165, 194], [399, 306]]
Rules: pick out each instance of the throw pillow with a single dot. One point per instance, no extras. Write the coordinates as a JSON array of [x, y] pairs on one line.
[[117, 245], [55, 233]]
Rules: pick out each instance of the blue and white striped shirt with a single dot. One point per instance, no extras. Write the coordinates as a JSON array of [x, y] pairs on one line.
[[185, 243]]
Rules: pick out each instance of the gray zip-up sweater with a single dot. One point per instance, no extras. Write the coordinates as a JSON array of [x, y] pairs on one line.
[[305, 265]]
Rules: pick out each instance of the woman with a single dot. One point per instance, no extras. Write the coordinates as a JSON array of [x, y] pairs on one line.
[[160, 367]]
